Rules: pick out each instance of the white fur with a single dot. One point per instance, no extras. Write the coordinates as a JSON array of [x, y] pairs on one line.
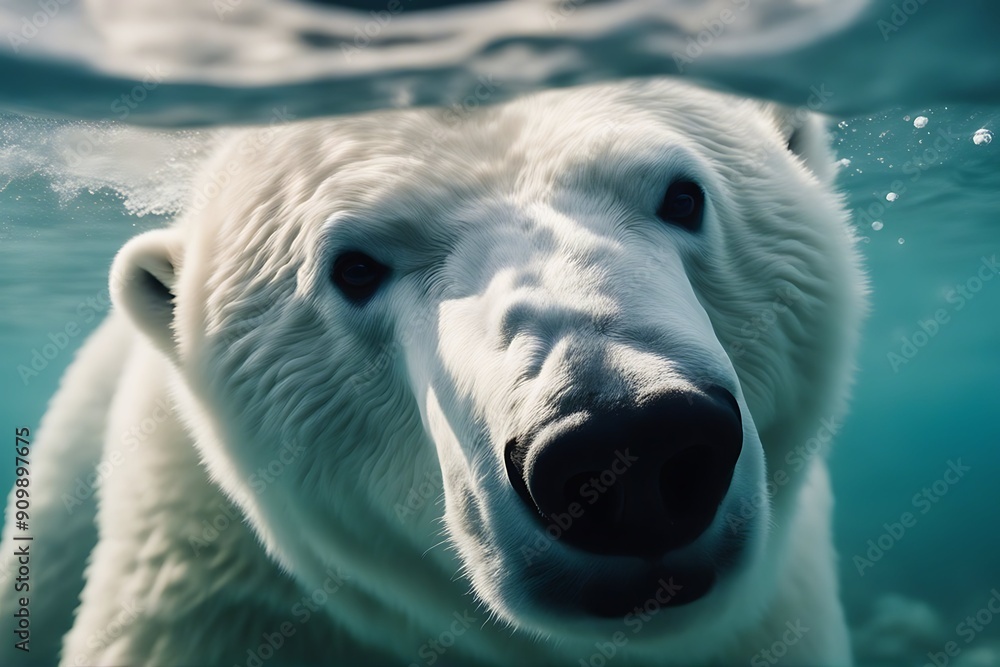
[[528, 269]]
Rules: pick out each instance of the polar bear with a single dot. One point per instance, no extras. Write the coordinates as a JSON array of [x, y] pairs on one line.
[[547, 383]]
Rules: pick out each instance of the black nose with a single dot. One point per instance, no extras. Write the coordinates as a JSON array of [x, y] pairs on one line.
[[638, 481]]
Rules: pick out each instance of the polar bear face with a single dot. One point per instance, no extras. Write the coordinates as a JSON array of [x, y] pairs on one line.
[[583, 320]]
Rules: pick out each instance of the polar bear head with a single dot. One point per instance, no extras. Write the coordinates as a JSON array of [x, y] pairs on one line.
[[545, 350]]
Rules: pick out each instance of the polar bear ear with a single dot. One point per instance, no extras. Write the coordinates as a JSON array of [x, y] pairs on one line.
[[806, 136], [143, 278]]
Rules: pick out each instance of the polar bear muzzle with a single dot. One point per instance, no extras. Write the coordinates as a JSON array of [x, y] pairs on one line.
[[636, 481]]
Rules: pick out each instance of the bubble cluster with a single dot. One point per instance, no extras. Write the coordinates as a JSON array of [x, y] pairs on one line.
[[982, 137]]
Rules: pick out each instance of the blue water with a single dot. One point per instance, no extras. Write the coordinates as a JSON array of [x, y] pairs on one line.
[[908, 420], [927, 396]]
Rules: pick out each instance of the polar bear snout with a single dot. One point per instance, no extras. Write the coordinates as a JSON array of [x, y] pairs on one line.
[[636, 481]]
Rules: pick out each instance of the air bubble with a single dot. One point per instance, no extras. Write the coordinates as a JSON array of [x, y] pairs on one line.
[[877, 225], [982, 137], [920, 121]]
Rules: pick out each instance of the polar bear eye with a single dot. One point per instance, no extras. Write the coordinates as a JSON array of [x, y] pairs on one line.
[[357, 275], [683, 205]]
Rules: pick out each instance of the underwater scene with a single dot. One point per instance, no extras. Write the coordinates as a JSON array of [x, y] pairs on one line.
[[111, 109]]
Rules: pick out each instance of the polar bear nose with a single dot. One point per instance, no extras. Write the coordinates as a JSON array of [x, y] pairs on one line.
[[637, 482]]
